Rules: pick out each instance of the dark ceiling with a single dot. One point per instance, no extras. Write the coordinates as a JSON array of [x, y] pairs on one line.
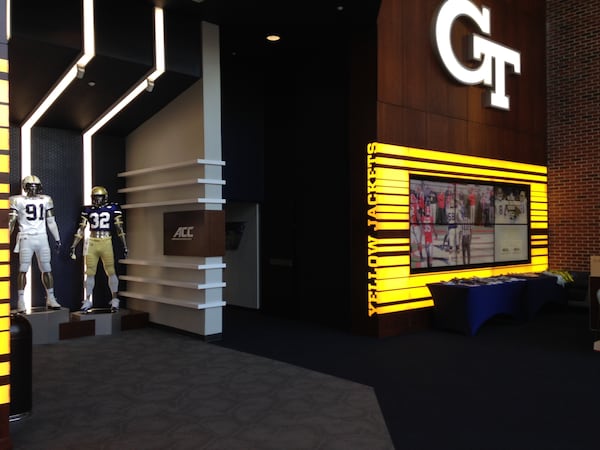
[[47, 39]]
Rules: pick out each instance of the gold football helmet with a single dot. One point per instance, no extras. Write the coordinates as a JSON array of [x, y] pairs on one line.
[[99, 195], [32, 185]]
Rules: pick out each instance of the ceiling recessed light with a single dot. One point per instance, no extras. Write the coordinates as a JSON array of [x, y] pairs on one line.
[[273, 37], [91, 83]]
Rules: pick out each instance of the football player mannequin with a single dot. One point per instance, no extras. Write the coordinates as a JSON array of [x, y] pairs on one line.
[[34, 212], [103, 217]]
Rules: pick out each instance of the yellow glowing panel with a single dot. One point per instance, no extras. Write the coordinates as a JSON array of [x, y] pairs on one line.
[[4, 290], [4, 139], [5, 309], [400, 307], [391, 225], [392, 261], [4, 65], [4, 164], [3, 91], [4, 204], [4, 255], [4, 236], [391, 286], [4, 369], [5, 342], [4, 394], [3, 114], [4, 273], [4, 188]]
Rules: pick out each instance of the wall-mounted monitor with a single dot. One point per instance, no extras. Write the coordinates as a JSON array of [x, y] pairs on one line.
[[458, 223]]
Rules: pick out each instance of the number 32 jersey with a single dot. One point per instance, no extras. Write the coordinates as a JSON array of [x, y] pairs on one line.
[[31, 212], [101, 218]]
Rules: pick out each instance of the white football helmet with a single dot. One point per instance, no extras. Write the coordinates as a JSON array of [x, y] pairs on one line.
[[32, 185]]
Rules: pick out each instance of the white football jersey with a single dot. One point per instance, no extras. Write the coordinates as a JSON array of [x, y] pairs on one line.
[[31, 212]]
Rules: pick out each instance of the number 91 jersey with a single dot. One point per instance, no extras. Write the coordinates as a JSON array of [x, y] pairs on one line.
[[31, 212], [101, 217]]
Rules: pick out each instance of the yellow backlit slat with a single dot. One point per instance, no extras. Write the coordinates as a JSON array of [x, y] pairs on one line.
[[5, 342], [401, 307], [4, 369], [392, 225], [4, 290], [4, 91], [4, 139]]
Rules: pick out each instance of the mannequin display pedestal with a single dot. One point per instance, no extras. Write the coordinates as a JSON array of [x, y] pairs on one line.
[[50, 326], [105, 321], [45, 323]]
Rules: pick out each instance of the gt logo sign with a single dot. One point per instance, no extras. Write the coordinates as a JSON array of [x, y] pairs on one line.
[[496, 59], [183, 234]]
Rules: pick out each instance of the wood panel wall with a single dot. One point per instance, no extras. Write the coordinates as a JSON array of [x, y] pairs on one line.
[[420, 105]]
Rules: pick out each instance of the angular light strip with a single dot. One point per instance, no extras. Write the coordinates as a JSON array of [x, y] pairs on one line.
[[89, 51], [145, 85]]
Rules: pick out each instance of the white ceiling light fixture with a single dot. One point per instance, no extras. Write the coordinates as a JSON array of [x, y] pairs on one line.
[[273, 37]]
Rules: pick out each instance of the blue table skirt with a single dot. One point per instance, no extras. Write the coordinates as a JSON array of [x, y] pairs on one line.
[[540, 290], [466, 308]]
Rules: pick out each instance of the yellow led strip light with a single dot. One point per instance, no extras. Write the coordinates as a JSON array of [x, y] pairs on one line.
[[4, 234], [391, 286]]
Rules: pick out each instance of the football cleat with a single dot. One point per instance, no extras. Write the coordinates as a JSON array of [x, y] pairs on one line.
[[86, 305], [52, 304], [114, 304]]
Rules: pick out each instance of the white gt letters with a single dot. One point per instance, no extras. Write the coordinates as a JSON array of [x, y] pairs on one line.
[[479, 49]]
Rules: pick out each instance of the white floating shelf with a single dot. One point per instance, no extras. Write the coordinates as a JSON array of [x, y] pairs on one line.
[[173, 264], [173, 184], [181, 284], [184, 201], [172, 301], [194, 162]]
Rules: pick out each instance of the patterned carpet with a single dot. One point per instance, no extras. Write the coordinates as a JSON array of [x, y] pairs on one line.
[[152, 388]]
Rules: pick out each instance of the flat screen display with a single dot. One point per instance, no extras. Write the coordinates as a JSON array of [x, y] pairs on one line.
[[456, 223]]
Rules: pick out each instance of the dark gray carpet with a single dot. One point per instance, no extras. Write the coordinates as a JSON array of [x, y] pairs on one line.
[[157, 389], [532, 385], [514, 386]]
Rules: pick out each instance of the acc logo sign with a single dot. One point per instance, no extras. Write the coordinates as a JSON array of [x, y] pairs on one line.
[[494, 58], [183, 234]]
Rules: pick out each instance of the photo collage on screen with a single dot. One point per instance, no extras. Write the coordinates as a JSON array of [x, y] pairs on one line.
[[458, 223]]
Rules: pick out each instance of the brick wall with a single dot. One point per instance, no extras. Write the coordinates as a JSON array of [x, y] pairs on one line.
[[573, 104]]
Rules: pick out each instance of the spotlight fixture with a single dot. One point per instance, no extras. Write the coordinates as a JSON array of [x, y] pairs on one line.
[[273, 37], [80, 71], [150, 85]]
